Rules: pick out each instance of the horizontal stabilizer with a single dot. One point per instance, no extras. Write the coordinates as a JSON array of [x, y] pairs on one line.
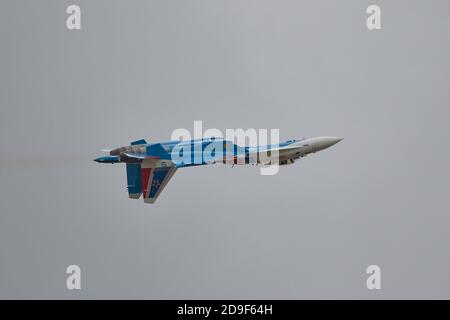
[[134, 156], [138, 142], [157, 150]]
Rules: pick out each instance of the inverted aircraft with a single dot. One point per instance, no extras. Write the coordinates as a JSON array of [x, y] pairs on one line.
[[150, 166]]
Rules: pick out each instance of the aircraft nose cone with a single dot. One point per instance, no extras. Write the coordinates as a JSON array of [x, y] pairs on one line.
[[332, 140], [326, 142]]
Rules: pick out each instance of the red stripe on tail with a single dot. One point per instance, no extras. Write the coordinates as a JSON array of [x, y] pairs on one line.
[[145, 176]]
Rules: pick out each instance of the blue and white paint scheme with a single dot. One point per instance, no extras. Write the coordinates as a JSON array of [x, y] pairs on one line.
[[151, 165]]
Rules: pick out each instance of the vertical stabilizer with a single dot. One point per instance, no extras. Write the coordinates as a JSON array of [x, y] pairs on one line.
[[134, 182]]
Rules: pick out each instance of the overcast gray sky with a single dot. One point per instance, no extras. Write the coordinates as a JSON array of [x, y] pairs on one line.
[[140, 69]]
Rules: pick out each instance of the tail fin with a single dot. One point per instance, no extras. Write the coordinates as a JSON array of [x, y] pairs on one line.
[[154, 179], [134, 181]]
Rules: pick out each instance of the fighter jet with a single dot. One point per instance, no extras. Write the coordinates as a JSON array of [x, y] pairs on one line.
[[150, 166]]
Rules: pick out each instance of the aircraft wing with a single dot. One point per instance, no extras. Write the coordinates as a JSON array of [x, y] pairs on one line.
[[154, 180]]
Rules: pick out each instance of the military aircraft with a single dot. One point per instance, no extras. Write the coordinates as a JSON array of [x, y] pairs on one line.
[[151, 165]]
